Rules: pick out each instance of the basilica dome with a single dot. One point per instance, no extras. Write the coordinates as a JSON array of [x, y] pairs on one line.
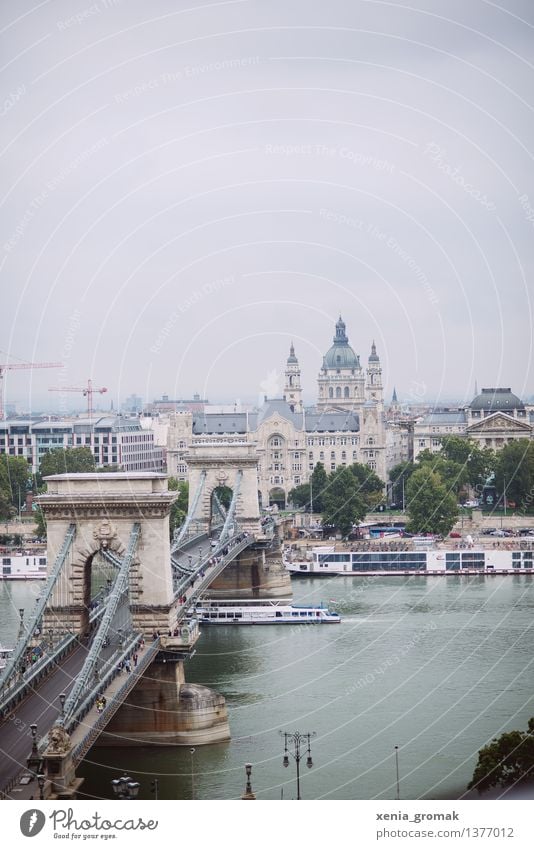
[[341, 355]]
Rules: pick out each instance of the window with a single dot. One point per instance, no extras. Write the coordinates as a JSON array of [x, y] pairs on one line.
[[330, 392], [422, 443], [338, 391], [346, 392]]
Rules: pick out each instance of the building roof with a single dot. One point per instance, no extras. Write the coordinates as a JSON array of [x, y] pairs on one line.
[[498, 399], [243, 422], [373, 356], [341, 355], [444, 417]]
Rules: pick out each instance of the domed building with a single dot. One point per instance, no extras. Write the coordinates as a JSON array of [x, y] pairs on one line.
[[341, 379], [346, 426]]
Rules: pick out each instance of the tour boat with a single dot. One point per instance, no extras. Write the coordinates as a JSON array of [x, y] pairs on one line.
[[327, 560], [23, 566], [263, 612]]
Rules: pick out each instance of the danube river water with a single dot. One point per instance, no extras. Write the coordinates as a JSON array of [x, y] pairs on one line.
[[436, 666]]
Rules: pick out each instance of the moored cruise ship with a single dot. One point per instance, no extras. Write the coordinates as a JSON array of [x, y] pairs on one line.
[[432, 561], [23, 566]]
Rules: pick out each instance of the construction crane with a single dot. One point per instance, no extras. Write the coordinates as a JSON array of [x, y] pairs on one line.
[[8, 366], [85, 390]]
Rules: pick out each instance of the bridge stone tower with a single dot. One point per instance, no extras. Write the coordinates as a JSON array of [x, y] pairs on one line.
[[219, 461], [103, 507]]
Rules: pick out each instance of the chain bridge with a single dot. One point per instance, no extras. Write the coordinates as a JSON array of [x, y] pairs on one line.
[[104, 664]]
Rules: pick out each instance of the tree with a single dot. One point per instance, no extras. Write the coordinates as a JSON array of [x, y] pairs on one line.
[[300, 496], [40, 524], [399, 476], [318, 484], [60, 461], [343, 501], [180, 506], [454, 476], [507, 760], [478, 462], [15, 480], [431, 507], [515, 472], [369, 484], [350, 493]]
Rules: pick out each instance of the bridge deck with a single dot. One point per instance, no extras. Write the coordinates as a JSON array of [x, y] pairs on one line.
[[41, 707]]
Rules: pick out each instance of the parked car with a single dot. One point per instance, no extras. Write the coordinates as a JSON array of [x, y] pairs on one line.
[[455, 535]]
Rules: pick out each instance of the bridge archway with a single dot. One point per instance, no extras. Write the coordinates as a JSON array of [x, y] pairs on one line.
[[103, 507], [277, 497], [229, 463]]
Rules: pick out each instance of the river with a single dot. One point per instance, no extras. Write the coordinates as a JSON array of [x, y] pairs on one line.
[[436, 666]]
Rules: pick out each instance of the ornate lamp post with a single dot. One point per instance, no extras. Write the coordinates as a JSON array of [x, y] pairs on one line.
[[62, 699], [125, 788], [249, 793], [299, 741]]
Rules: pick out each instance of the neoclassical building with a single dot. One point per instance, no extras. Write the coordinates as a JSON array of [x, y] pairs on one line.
[[494, 418], [347, 425]]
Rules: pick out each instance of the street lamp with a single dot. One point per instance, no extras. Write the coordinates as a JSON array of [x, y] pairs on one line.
[[249, 793], [62, 698], [299, 742], [33, 729], [397, 770], [192, 773], [125, 788], [41, 782]]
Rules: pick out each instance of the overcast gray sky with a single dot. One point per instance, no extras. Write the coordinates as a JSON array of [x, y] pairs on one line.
[[189, 186]]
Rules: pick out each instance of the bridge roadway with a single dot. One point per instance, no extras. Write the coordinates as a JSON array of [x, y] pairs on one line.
[[41, 707]]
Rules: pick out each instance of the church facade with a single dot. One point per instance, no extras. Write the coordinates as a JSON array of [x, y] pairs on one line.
[[346, 426]]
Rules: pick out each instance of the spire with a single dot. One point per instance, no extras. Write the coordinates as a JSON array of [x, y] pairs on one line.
[[394, 399], [476, 387], [292, 358], [341, 337], [373, 358]]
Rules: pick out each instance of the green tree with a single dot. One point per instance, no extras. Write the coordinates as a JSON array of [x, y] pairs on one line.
[[15, 479], [349, 494], [319, 482], [515, 472], [180, 506], [432, 508], [399, 476], [40, 524], [300, 496], [60, 461], [343, 501], [454, 476], [478, 462], [507, 760]]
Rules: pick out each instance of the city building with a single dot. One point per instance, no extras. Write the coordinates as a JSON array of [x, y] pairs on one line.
[[348, 424], [113, 440], [494, 418]]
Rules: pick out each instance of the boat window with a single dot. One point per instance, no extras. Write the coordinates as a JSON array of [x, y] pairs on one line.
[[294, 613], [238, 614], [279, 614], [303, 568]]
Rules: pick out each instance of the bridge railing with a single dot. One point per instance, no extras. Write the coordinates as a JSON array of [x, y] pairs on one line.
[[12, 694], [112, 706]]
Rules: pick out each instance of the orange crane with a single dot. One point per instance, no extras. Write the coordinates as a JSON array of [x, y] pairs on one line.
[[85, 390], [5, 366]]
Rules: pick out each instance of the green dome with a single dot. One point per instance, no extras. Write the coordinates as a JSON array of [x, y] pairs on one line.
[[497, 400], [341, 354]]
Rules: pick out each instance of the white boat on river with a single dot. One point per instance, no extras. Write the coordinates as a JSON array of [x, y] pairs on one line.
[[263, 612], [327, 560]]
